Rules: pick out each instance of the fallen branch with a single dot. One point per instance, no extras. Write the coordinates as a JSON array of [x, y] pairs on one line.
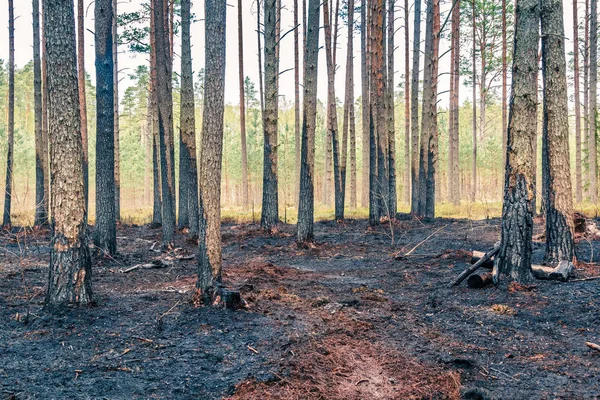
[[593, 346], [155, 264], [590, 278], [420, 243], [478, 264]]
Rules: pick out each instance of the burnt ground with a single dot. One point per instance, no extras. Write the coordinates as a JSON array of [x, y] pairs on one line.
[[343, 319]]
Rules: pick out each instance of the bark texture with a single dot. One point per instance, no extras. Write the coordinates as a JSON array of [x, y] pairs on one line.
[[70, 275], [6, 220], [514, 257], [558, 193], [414, 112], [82, 99], [40, 152], [117, 135], [365, 108], [210, 259], [593, 112], [105, 233], [245, 201], [453, 134], [576, 97], [309, 115]]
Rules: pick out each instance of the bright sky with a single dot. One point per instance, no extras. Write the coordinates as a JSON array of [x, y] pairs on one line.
[[128, 62]]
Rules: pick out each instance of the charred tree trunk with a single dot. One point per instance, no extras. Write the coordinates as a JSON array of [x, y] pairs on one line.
[[6, 220], [210, 259], [577, 88], [406, 103], [164, 74], [309, 114], [40, 167], [391, 120], [82, 99], [270, 202], [70, 274], [188, 123], [593, 99], [414, 118], [558, 193], [514, 257], [105, 233]]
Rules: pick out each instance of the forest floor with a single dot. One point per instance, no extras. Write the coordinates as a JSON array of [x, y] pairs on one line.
[[352, 317]]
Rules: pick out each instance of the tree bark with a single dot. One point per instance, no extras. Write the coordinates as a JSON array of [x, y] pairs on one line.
[[453, 148], [558, 193], [576, 92], [365, 108], [242, 108], [70, 275], [188, 124], [593, 99], [348, 126], [504, 84], [309, 114], [514, 258], [586, 87], [406, 103], [40, 167], [6, 220], [210, 259], [157, 187], [164, 67], [117, 139], [82, 99], [105, 233], [45, 138], [414, 104], [391, 120], [474, 133], [297, 133], [270, 202]]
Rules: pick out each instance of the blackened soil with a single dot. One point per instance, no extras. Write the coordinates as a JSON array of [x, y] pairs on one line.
[[355, 317]]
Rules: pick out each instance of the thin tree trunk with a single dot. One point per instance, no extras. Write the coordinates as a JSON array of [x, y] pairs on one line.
[[365, 112], [45, 138], [210, 258], [514, 257], [586, 87], [6, 220], [414, 111], [577, 88], [40, 167], [260, 65], [349, 133], [188, 124], [504, 83], [116, 110], [105, 229], [164, 67], [82, 99], [296, 103], [70, 275], [593, 99], [309, 114], [391, 121], [157, 187], [242, 108], [270, 212], [558, 193], [453, 149], [407, 86], [474, 133]]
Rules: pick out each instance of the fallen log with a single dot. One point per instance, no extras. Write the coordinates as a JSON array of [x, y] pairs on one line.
[[559, 273], [477, 255], [154, 264], [478, 281], [593, 346], [488, 256]]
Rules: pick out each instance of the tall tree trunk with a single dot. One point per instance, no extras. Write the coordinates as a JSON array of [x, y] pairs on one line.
[[349, 132], [332, 124], [414, 111], [391, 122], [157, 187], [586, 87], [270, 212], [242, 108], [577, 89], [406, 103], [148, 145], [365, 108], [429, 135], [82, 99], [105, 233], [558, 193], [188, 123], [40, 167], [296, 103], [474, 79], [453, 137], [514, 258], [70, 274], [6, 220], [116, 111], [45, 138], [261, 71], [593, 99], [309, 115], [504, 84], [164, 67], [210, 259]]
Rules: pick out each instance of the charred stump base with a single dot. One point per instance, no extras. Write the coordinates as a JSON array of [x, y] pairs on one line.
[[219, 297]]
